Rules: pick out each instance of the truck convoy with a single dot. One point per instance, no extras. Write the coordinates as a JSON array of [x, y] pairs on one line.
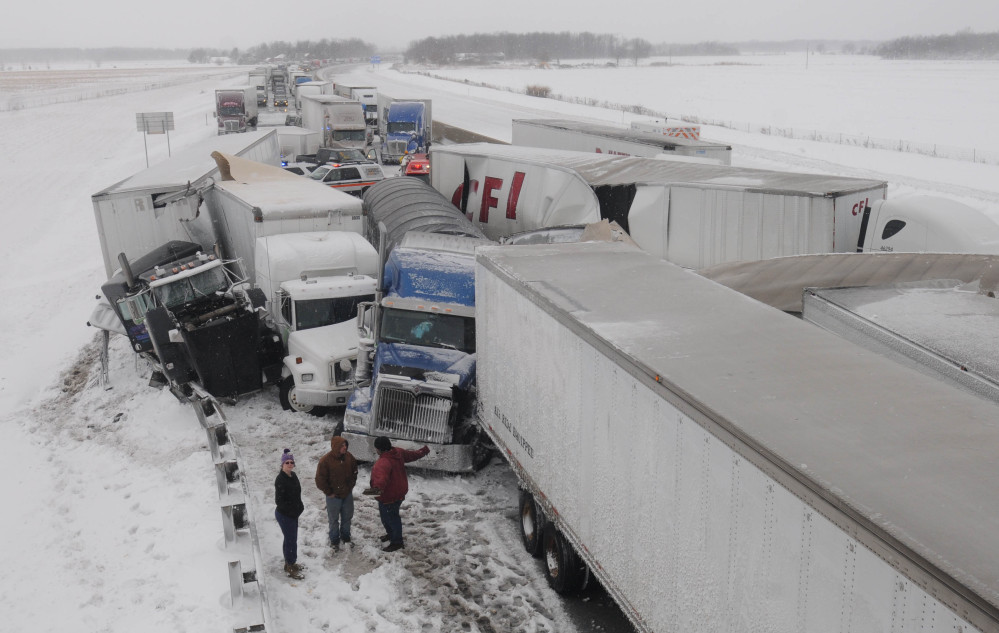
[[405, 127], [236, 109], [608, 139], [721, 466], [698, 215], [279, 86], [416, 368], [339, 121]]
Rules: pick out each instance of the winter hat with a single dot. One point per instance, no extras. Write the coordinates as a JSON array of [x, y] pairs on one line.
[[287, 456], [382, 443]]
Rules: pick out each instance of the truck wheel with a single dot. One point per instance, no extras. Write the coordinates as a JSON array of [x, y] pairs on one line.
[[563, 569], [530, 527], [289, 403]]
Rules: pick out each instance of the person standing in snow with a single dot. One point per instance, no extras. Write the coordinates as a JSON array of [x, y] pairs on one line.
[[288, 498], [336, 476], [390, 483]]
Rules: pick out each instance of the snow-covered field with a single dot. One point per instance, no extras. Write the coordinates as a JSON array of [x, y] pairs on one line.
[[111, 518]]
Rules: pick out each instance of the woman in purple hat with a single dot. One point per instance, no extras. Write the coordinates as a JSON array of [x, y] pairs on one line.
[[288, 497]]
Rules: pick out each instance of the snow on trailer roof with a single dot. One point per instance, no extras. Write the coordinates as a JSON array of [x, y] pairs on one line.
[[947, 317], [626, 134], [907, 461], [191, 164], [286, 195], [603, 169]]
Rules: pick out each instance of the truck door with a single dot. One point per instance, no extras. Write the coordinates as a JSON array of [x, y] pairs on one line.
[[892, 232]]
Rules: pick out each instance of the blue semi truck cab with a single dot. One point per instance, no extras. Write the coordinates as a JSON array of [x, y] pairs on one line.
[[408, 129], [418, 342]]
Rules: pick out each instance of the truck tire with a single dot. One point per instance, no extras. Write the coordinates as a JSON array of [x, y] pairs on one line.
[[530, 527], [563, 568], [288, 402]]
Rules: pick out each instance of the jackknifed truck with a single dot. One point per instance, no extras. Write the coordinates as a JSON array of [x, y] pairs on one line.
[[719, 465]]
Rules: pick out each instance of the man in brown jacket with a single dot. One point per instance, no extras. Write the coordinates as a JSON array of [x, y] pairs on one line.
[[336, 476]]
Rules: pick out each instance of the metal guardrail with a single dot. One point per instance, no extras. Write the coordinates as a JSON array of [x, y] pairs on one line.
[[247, 596]]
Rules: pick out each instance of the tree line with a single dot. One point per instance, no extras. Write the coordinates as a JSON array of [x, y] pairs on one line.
[[303, 49], [543, 47], [961, 45]]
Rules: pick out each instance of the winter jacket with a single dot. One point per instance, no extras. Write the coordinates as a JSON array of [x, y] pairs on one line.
[[388, 475], [288, 495], [336, 473]]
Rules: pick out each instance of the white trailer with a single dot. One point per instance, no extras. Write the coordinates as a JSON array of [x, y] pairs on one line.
[[666, 127], [691, 214], [943, 328], [721, 466], [340, 122], [162, 202], [295, 141], [260, 200], [580, 136], [311, 88]]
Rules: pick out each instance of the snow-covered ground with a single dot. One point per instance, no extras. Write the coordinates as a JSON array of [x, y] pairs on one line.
[[111, 519]]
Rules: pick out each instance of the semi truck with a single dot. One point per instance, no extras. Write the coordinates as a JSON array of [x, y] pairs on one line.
[[698, 215], [416, 367], [366, 95], [609, 139], [719, 465], [405, 127], [339, 121], [191, 317], [236, 109]]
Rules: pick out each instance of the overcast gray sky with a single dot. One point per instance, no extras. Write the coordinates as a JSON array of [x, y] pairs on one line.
[[392, 24]]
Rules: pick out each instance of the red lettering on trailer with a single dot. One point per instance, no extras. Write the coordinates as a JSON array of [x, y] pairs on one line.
[[514, 197], [456, 196], [860, 206], [489, 184]]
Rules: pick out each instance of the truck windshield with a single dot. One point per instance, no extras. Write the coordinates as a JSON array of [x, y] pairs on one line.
[[350, 135], [401, 127], [429, 329], [189, 289], [229, 109], [320, 312]]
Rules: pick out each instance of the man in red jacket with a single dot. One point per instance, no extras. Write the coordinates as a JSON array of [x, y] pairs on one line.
[[390, 483]]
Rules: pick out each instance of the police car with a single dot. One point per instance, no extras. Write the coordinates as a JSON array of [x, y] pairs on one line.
[[353, 178]]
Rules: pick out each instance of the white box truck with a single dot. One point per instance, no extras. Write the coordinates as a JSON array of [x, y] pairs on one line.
[[366, 95], [580, 136], [721, 466], [340, 122], [302, 247]]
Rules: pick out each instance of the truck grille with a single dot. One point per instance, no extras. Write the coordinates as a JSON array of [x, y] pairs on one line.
[[417, 417], [397, 148], [231, 126]]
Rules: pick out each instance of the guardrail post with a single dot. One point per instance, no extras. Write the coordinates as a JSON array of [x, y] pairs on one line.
[[233, 519], [225, 473]]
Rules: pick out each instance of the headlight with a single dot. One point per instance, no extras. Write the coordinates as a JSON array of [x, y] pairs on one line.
[[307, 377]]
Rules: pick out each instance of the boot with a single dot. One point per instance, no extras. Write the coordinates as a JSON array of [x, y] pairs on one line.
[[391, 547], [384, 538], [292, 572]]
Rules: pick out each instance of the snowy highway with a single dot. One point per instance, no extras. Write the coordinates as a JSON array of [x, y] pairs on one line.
[[111, 506]]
